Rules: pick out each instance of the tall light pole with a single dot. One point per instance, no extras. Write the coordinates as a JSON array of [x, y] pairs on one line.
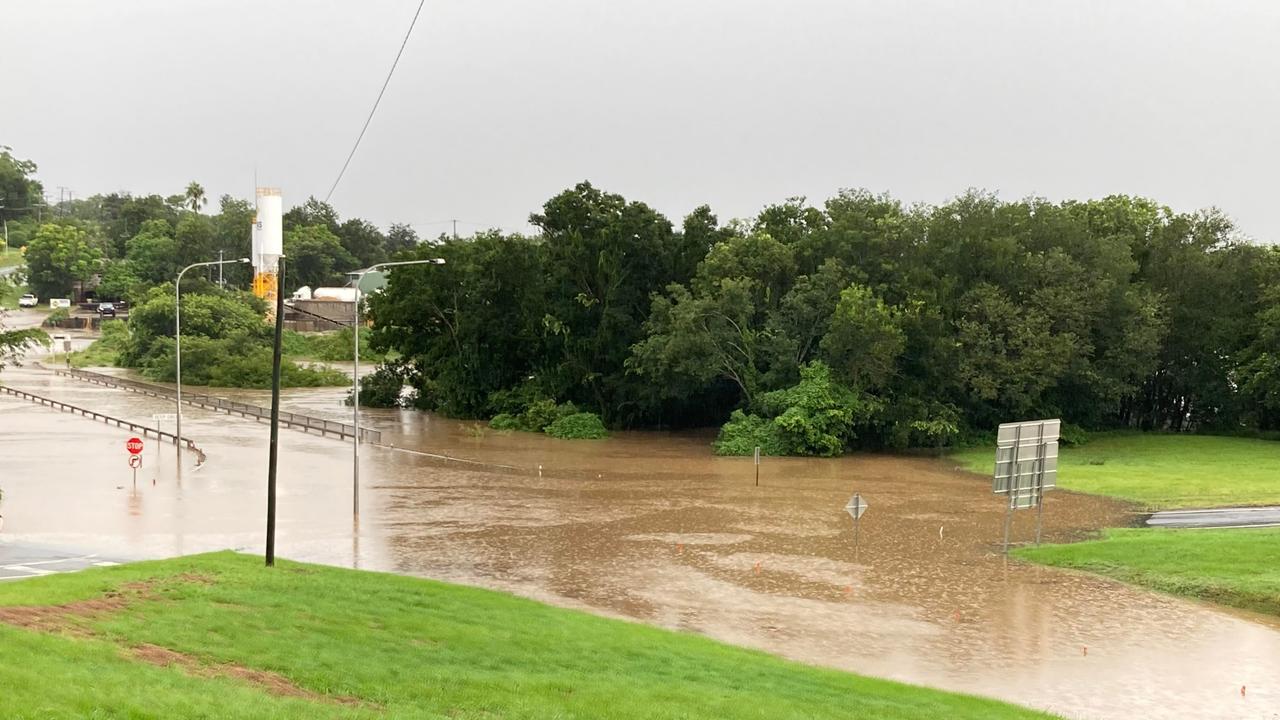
[[355, 377], [177, 338]]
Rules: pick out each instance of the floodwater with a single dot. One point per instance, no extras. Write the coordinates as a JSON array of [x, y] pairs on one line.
[[652, 527]]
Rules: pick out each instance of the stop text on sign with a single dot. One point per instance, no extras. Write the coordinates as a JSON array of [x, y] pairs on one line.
[[133, 445]]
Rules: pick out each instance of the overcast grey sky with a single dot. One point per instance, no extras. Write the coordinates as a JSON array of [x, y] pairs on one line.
[[499, 104]]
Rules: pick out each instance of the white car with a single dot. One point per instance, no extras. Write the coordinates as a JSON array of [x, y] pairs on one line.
[[28, 300]]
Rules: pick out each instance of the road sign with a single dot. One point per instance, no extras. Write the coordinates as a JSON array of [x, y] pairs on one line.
[[856, 507], [135, 461], [1026, 467], [1026, 456], [133, 445], [164, 417]]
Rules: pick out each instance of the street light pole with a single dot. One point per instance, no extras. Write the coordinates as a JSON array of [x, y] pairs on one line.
[[355, 377], [177, 350]]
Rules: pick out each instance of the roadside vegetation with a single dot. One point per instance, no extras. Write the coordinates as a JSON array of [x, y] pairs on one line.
[[225, 344], [1163, 471], [221, 636], [857, 323], [10, 257], [531, 413], [1240, 567]]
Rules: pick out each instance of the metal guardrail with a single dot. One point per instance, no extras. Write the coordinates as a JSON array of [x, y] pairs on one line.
[[108, 419], [297, 421]]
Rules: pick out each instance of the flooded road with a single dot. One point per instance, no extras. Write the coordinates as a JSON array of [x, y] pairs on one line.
[[651, 527]]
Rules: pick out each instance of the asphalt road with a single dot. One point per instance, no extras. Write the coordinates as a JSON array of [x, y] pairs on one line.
[[24, 561], [1219, 518]]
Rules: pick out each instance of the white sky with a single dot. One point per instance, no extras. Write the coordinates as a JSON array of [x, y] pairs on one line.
[[499, 104]]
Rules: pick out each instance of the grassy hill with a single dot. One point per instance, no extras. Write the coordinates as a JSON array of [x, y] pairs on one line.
[[219, 636], [1163, 471]]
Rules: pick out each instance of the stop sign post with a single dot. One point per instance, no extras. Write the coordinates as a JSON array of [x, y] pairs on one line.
[[134, 446]]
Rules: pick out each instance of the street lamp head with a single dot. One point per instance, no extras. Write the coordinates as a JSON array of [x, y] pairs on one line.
[[244, 260], [437, 261]]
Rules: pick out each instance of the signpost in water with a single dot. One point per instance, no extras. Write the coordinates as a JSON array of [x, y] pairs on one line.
[[856, 507]]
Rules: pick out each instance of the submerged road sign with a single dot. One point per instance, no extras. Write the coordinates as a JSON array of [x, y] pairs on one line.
[[856, 506], [133, 445], [135, 461]]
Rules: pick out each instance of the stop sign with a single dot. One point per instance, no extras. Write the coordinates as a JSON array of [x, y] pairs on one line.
[[133, 445]]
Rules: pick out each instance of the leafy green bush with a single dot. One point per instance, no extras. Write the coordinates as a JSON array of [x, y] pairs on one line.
[[1073, 434], [817, 416], [505, 421], [331, 346], [744, 433], [578, 426], [382, 388], [230, 362], [57, 316], [104, 351], [542, 413]]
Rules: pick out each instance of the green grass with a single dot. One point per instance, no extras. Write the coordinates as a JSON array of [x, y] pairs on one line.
[[1164, 471], [1240, 568], [398, 647], [11, 257]]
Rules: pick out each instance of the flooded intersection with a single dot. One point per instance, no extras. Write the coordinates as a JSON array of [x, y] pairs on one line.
[[652, 527]]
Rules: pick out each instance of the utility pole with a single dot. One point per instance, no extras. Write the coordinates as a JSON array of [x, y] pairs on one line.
[[455, 229], [220, 283], [273, 453]]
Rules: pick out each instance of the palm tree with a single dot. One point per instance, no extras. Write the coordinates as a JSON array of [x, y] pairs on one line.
[[195, 196]]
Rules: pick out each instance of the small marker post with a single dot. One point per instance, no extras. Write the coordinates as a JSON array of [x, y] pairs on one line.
[[757, 466]]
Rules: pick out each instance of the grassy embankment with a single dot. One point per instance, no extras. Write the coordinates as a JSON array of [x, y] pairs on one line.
[[220, 636], [1163, 471], [1240, 568]]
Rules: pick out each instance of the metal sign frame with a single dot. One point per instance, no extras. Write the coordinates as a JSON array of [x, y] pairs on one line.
[[1026, 467]]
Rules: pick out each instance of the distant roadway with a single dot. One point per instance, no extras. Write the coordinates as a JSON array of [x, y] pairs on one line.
[[1217, 518]]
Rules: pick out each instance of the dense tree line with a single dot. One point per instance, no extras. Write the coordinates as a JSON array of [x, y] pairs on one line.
[[860, 323]]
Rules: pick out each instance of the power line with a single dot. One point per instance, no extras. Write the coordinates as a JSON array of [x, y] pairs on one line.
[[375, 102]]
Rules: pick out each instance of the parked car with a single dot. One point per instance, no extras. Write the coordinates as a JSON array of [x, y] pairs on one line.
[[28, 300], [107, 309]]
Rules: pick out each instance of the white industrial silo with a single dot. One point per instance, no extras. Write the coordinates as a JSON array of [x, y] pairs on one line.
[[268, 241]]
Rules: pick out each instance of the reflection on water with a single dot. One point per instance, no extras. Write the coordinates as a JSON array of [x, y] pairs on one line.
[[650, 526]]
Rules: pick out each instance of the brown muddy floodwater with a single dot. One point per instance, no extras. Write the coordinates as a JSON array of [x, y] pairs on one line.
[[652, 527]]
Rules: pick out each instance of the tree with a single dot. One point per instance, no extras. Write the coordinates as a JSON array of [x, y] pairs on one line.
[[693, 340], [363, 241], [196, 199], [400, 238], [312, 212], [152, 254], [19, 191], [13, 343], [316, 257], [605, 257], [472, 327], [863, 340], [60, 258]]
